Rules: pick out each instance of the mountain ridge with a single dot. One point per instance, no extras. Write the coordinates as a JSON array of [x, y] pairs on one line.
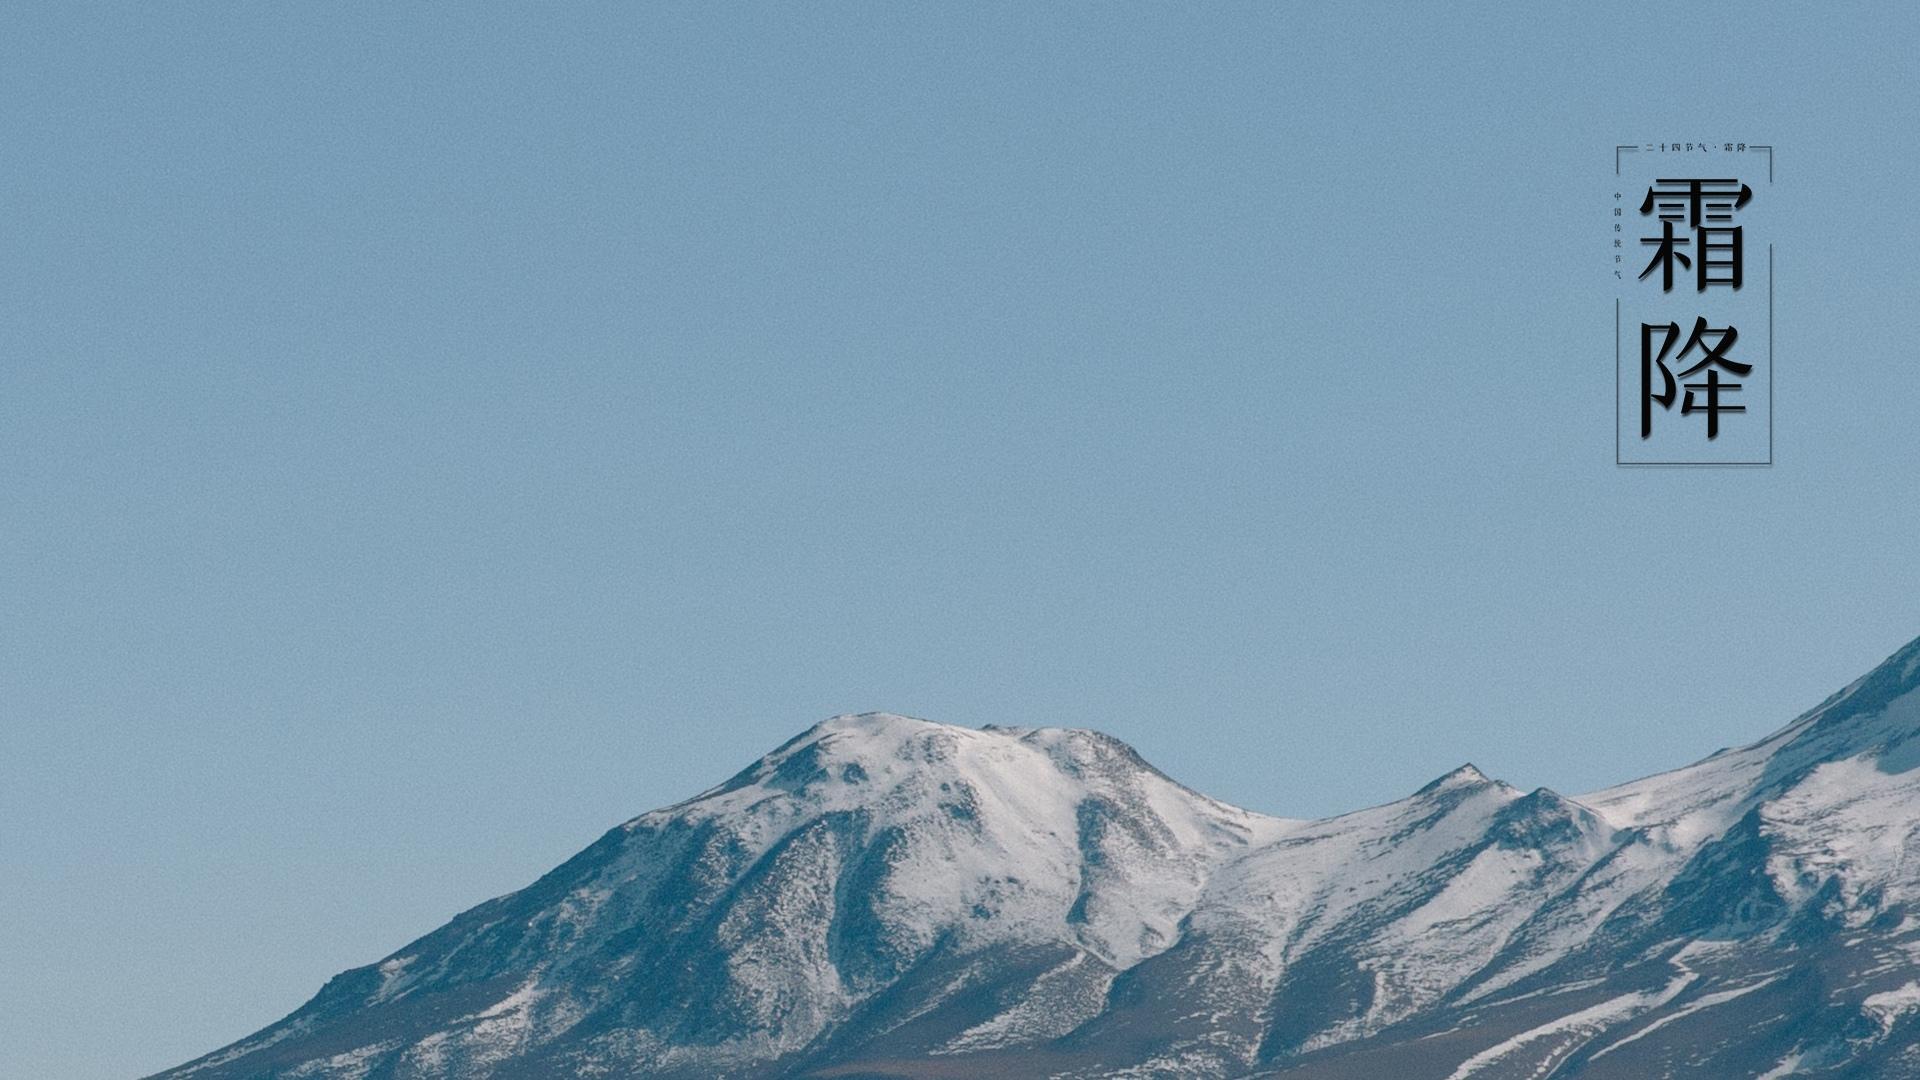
[[911, 898]]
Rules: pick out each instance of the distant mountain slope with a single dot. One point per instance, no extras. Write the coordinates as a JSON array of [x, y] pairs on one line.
[[888, 897]]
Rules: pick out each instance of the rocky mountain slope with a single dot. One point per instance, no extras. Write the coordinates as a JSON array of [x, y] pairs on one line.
[[889, 897]]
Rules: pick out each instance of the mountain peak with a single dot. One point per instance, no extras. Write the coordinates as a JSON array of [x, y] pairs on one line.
[[865, 727], [1466, 776], [890, 740], [870, 722]]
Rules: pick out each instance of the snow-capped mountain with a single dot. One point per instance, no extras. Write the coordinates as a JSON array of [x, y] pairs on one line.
[[889, 897]]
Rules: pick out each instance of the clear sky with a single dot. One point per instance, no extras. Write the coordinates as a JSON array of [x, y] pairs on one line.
[[428, 439]]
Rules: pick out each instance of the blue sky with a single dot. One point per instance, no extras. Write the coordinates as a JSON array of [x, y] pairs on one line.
[[429, 438]]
